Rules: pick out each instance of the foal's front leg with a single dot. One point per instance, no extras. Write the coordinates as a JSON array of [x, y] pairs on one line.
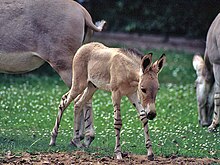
[[116, 100], [62, 107], [143, 117]]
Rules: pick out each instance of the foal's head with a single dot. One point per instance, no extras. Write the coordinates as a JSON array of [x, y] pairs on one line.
[[148, 83], [204, 90]]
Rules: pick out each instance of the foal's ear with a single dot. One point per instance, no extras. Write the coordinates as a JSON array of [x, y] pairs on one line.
[[158, 65], [146, 62]]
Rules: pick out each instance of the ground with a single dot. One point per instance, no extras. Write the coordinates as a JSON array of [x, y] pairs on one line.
[[84, 158]]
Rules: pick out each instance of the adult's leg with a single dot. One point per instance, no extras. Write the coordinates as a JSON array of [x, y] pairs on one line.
[[215, 121]]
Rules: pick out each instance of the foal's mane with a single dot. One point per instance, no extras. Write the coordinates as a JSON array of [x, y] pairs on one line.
[[132, 52]]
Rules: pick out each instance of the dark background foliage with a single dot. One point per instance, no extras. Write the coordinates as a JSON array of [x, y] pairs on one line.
[[190, 18]]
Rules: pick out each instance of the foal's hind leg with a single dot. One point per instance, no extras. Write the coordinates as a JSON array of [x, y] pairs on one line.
[[78, 107], [86, 130], [89, 127], [82, 125], [64, 103]]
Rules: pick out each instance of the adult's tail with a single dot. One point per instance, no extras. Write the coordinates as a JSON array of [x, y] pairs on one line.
[[90, 26]]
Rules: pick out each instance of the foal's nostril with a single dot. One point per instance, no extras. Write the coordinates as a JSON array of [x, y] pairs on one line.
[[151, 115]]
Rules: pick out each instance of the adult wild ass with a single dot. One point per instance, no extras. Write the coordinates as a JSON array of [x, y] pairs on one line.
[[208, 78], [123, 72], [38, 31]]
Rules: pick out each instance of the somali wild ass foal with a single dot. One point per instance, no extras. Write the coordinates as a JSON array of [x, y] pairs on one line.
[[124, 73], [208, 78], [39, 31]]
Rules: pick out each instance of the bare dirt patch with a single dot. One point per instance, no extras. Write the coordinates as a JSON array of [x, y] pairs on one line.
[[84, 158]]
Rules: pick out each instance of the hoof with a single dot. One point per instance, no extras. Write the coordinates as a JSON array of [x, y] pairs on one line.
[[88, 140], [150, 157], [76, 143], [205, 124], [211, 129], [52, 144], [118, 155]]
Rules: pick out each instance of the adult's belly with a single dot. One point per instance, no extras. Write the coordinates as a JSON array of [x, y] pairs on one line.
[[21, 62]]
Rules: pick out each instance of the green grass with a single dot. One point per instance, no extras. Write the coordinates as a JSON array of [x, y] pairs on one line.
[[28, 108]]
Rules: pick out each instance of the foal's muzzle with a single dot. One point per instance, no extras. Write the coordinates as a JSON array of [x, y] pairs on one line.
[[151, 115]]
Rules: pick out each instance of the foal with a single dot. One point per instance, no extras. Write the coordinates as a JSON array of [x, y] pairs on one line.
[[120, 71]]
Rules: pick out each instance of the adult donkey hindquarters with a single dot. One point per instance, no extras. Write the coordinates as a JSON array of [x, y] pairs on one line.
[[32, 32], [208, 78], [124, 72]]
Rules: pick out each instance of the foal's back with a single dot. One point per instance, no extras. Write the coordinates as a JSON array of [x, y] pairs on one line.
[[103, 66]]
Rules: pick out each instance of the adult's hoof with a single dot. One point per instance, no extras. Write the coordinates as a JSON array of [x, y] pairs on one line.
[[205, 124]]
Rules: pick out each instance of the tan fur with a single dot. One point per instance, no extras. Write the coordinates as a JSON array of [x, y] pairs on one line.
[[105, 79], [118, 71]]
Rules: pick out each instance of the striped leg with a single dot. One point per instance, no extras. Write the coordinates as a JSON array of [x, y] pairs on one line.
[[81, 130], [64, 103], [78, 107], [116, 100], [215, 120], [61, 108], [86, 123], [89, 127], [143, 117]]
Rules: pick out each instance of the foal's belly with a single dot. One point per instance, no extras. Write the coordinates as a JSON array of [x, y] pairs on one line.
[[101, 84], [19, 62]]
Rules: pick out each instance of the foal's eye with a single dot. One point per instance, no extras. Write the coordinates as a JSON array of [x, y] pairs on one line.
[[143, 90]]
